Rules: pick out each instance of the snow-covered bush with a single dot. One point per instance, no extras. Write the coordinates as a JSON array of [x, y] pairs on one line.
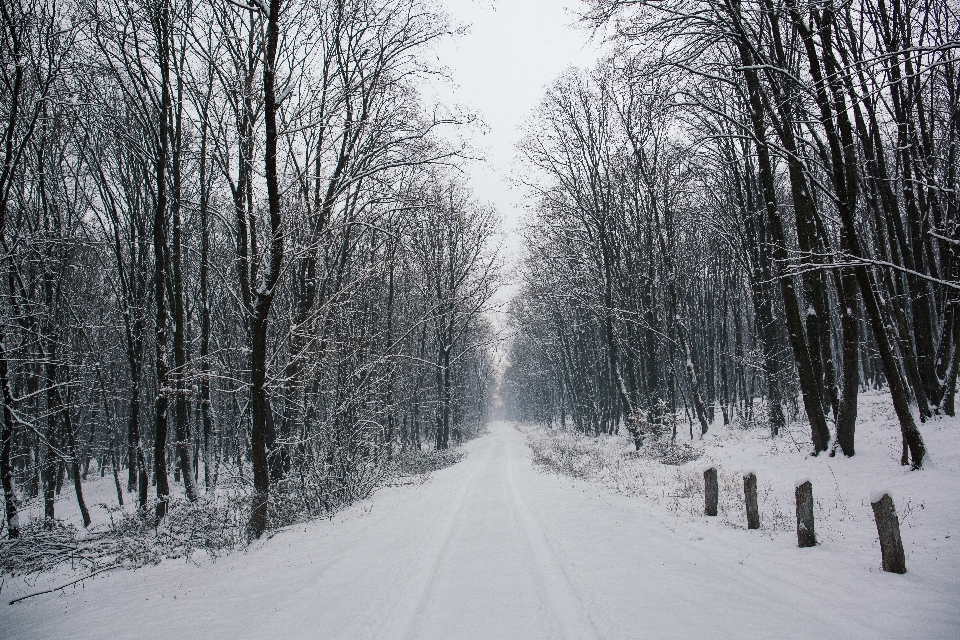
[[215, 524]]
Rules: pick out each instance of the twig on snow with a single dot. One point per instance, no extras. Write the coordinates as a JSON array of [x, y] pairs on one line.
[[64, 586]]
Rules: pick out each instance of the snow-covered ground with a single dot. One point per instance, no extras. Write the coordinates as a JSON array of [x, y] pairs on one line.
[[497, 547]]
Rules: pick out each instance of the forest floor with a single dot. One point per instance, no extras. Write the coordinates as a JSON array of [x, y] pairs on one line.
[[497, 546]]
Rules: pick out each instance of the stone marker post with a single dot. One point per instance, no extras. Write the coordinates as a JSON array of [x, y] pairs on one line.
[[750, 494], [806, 537], [711, 492], [888, 526]]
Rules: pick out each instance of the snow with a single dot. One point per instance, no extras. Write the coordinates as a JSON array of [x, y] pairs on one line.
[[496, 547], [802, 480], [877, 495]]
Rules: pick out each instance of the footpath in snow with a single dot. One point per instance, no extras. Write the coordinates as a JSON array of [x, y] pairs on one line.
[[494, 547]]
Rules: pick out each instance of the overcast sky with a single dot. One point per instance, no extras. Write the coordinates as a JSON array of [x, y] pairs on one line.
[[513, 50]]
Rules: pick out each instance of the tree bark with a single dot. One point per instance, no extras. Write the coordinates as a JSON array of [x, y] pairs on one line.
[[183, 445], [161, 18], [265, 289], [809, 385], [75, 466], [206, 408], [6, 441]]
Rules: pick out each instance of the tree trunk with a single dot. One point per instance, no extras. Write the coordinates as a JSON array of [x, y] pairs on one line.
[[161, 19], [115, 464], [49, 474], [6, 441], [183, 445], [810, 386], [850, 330], [265, 289], [75, 466], [210, 460]]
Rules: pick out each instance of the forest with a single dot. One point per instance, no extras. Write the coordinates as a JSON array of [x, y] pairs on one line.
[[480, 319], [747, 207], [240, 250], [236, 250]]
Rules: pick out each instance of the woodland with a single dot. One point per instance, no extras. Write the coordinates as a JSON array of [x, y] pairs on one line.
[[747, 211], [242, 270], [236, 252]]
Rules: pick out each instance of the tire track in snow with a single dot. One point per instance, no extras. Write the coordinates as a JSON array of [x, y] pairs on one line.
[[561, 596], [358, 541], [400, 620]]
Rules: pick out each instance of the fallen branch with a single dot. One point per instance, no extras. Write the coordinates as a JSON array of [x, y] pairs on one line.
[[64, 586]]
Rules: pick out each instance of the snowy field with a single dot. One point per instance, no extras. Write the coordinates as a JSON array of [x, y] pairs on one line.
[[500, 547]]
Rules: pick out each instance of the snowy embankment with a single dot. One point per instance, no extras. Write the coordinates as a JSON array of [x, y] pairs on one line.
[[927, 501], [118, 537]]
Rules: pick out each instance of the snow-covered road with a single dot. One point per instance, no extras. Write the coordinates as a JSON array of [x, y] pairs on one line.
[[494, 548]]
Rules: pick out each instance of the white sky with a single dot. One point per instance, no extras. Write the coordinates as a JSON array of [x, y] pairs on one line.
[[513, 50]]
